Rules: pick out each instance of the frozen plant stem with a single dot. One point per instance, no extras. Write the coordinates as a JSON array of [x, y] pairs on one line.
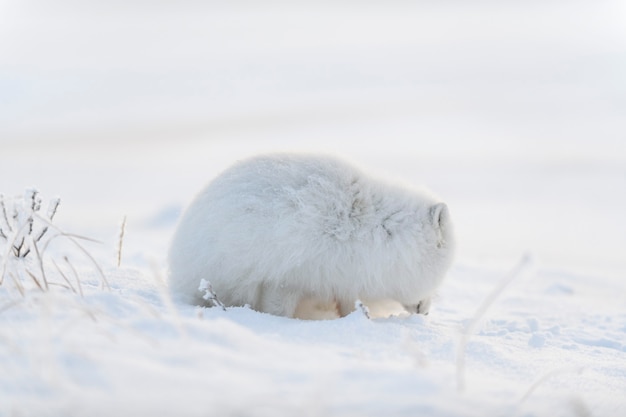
[[74, 239], [358, 305], [40, 262], [25, 234], [523, 264], [4, 213], [67, 281], [18, 285], [549, 375], [210, 295], [52, 210], [80, 288], [120, 242]]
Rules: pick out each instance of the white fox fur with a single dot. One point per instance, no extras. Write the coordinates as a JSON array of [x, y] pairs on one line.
[[276, 230]]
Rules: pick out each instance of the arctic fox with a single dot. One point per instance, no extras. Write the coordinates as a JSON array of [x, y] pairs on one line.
[[275, 231]]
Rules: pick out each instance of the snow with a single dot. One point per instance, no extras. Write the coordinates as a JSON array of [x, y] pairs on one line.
[[130, 351], [513, 112]]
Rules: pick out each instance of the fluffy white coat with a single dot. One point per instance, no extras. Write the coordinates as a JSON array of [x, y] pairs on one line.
[[276, 230]]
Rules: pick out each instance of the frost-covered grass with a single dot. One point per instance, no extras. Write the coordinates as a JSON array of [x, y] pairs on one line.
[[511, 111], [25, 237]]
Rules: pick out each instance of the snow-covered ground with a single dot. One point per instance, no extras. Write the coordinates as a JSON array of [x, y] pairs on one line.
[[513, 112]]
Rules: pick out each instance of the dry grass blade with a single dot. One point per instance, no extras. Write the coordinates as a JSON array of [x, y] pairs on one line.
[[547, 376], [70, 286], [478, 315], [18, 285], [4, 265], [105, 282], [22, 240], [73, 238], [120, 242], [4, 213], [40, 262], [61, 233], [80, 287], [30, 243], [34, 278]]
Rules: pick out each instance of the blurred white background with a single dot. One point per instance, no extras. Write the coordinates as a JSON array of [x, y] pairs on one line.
[[513, 111]]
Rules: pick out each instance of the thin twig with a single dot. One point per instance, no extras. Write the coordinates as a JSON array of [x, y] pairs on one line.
[[17, 249], [41, 234]]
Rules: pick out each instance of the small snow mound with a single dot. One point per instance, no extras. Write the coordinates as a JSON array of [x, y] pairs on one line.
[[603, 343], [533, 324], [537, 340]]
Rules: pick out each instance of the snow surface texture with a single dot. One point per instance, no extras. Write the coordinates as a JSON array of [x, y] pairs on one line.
[[277, 229], [512, 112], [130, 351]]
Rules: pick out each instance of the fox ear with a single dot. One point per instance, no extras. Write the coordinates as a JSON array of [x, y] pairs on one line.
[[439, 214]]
